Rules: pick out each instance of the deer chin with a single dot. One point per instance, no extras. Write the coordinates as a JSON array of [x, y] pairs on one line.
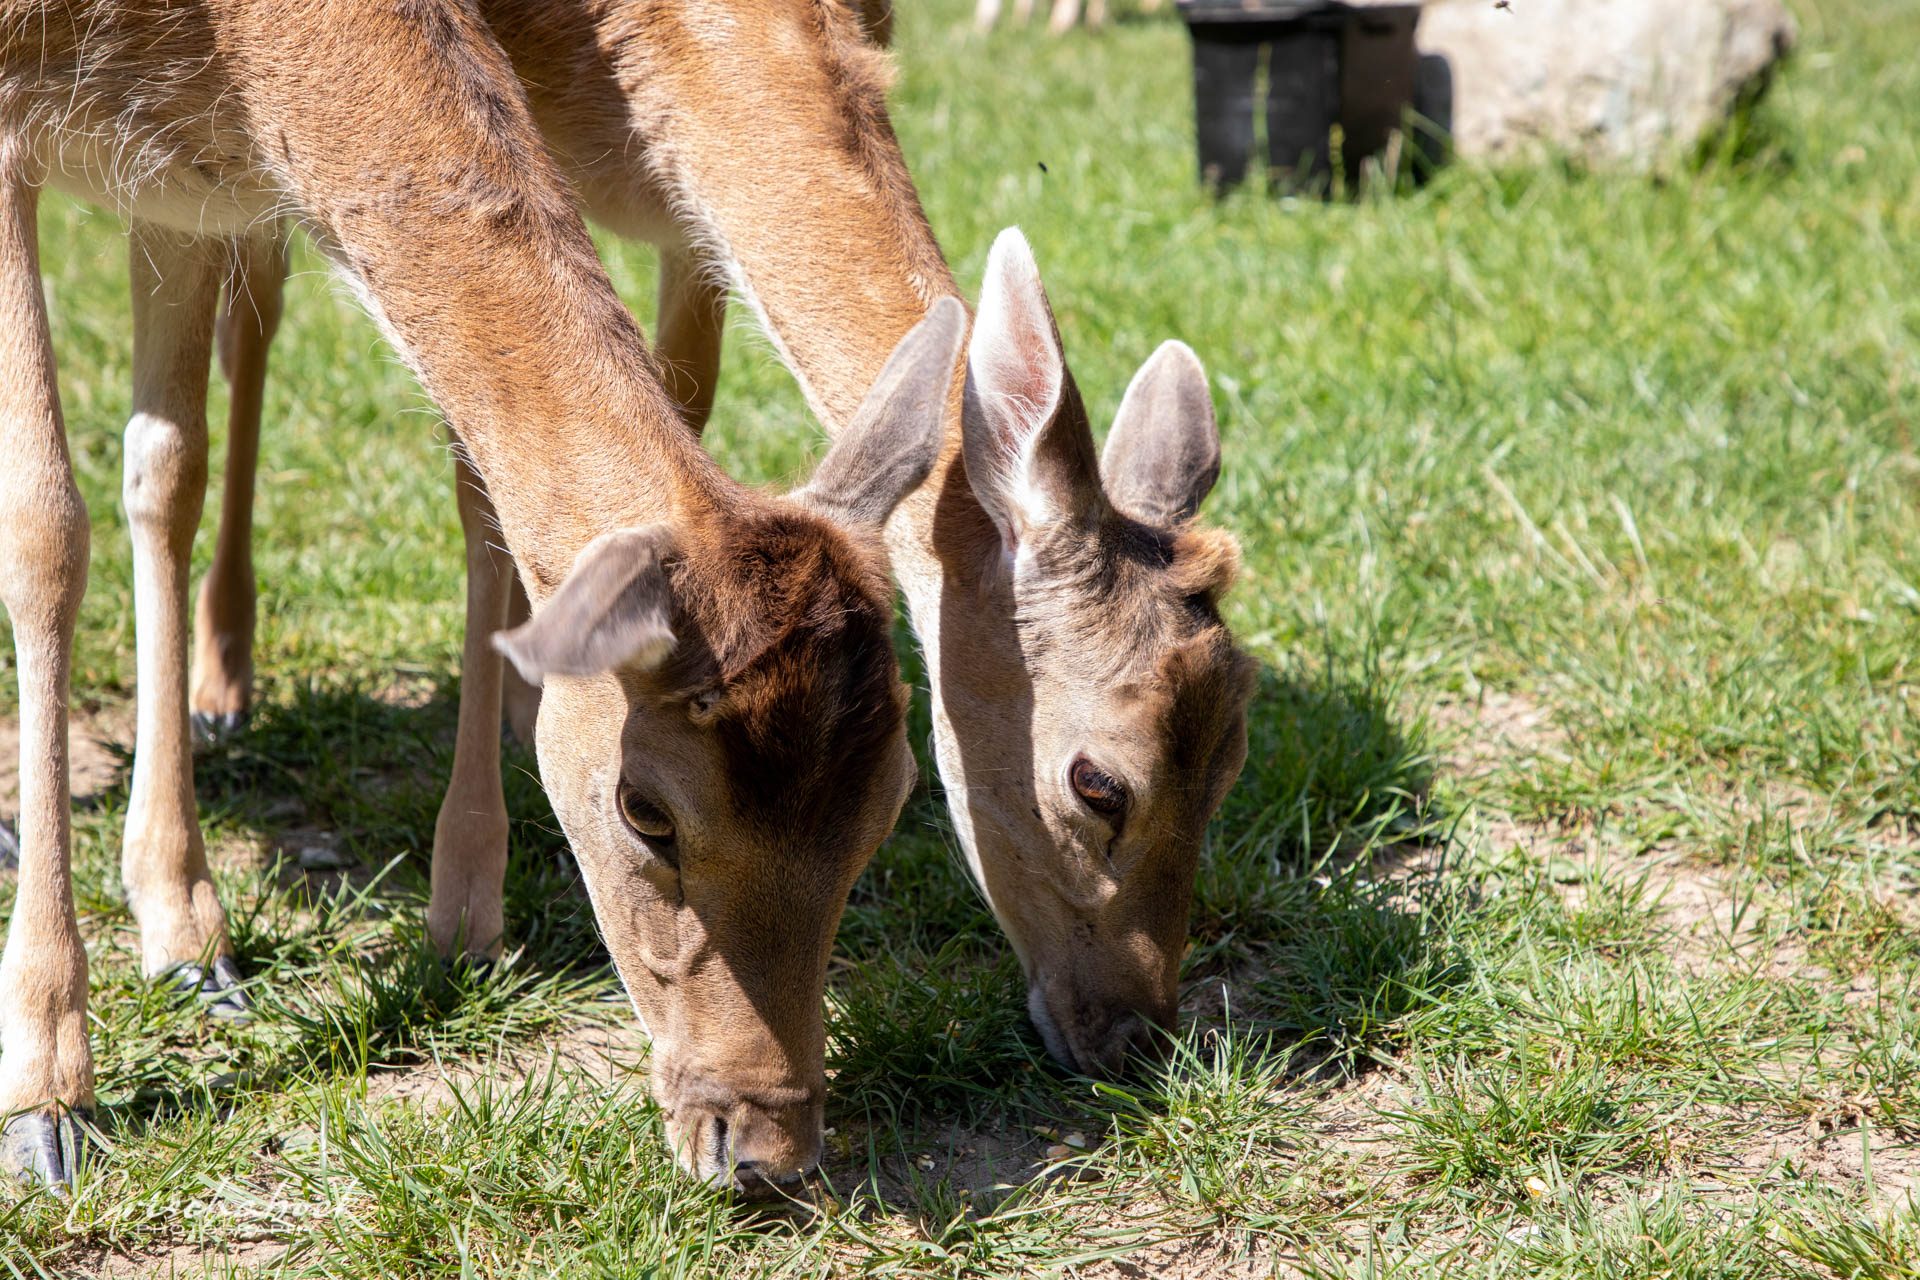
[[1050, 1033], [1101, 996]]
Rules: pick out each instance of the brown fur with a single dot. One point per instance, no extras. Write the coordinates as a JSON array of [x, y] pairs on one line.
[[789, 652], [397, 135], [752, 136]]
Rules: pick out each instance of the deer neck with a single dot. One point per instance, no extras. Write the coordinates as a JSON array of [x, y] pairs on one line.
[[461, 235], [769, 143], [562, 415]]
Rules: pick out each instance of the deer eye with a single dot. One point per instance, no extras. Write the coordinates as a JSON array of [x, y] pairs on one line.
[[647, 820], [1101, 791]]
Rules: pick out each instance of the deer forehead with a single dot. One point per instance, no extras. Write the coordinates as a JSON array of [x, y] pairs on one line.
[[786, 671]]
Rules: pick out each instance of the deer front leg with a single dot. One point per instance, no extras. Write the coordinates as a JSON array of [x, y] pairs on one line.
[[221, 686], [46, 1063], [465, 908], [693, 319], [163, 861], [1065, 14]]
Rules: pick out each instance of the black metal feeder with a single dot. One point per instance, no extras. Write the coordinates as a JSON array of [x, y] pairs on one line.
[[1327, 63]]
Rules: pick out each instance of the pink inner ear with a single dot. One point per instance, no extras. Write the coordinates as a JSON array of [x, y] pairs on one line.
[[1015, 374], [1022, 367]]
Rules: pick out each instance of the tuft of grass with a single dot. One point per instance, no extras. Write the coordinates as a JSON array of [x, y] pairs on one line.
[[1837, 1238], [1222, 1126], [407, 1006], [1489, 1127], [946, 1036], [1353, 963]]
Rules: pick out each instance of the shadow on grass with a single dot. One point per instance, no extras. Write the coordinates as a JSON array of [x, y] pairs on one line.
[[360, 775], [1324, 902], [342, 976]]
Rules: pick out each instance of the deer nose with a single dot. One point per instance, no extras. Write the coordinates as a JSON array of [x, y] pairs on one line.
[[1127, 1037], [756, 1180], [1099, 1037], [759, 1151]]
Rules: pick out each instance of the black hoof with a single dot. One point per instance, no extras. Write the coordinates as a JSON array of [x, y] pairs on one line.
[[219, 991], [468, 969], [45, 1147], [9, 848], [210, 727]]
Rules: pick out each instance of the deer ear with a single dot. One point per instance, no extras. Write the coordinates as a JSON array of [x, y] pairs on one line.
[[1163, 453], [611, 611], [1029, 450], [894, 438]]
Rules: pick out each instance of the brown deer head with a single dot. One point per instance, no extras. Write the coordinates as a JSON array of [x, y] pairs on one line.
[[1093, 707], [722, 735]]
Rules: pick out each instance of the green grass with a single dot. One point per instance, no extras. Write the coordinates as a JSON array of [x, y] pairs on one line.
[[1563, 923]]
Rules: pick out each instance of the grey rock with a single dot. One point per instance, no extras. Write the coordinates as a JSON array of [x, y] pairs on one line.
[[1631, 83]]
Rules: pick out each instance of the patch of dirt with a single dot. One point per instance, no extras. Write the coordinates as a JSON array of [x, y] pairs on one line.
[[92, 764], [978, 1166], [1493, 730], [1476, 739], [1711, 926], [1867, 1158], [181, 1261], [1835, 1151], [1214, 1256], [408, 689]]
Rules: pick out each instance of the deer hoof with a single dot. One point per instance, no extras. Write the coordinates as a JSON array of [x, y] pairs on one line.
[[469, 969], [210, 727], [45, 1147], [218, 989]]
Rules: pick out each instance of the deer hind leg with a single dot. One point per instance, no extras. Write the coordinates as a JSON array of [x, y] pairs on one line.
[[46, 1063], [221, 684], [693, 319], [1023, 11], [465, 907], [1065, 14], [163, 862], [985, 14]]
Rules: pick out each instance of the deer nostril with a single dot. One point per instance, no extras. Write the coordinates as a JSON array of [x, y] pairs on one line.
[[752, 1178], [1130, 1036]]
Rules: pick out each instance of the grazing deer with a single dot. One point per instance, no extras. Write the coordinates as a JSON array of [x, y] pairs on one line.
[[722, 722], [1064, 15], [1089, 707]]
